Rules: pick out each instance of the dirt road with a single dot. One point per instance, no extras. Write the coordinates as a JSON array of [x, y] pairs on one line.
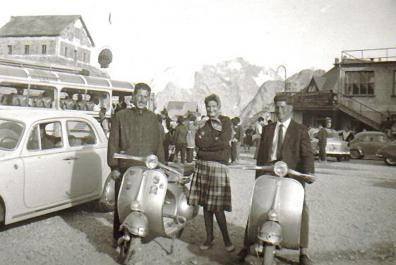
[[353, 221]]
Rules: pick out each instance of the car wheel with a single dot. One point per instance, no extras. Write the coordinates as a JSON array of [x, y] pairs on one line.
[[390, 161], [339, 158], [355, 154], [347, 158]]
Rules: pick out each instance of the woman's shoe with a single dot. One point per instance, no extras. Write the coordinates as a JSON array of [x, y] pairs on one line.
[[230, 248], [206, 245]]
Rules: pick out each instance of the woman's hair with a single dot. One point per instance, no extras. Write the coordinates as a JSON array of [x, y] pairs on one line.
[[212, 97]]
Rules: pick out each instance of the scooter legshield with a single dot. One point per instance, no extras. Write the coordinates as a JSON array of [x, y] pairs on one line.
[[288, 210]]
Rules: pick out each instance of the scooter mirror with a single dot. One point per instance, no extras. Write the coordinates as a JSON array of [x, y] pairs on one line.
[[280, 168]]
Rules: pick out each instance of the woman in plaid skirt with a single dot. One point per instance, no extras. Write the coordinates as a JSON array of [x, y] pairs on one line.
[[210, 186]]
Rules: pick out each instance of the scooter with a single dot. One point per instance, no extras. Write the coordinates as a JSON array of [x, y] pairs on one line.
[[276, 210], [152, 202]]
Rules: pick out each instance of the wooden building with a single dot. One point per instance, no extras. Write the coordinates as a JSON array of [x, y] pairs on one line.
[[359, 92]]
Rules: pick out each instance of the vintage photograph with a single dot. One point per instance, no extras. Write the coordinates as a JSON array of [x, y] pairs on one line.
[[187, 132]]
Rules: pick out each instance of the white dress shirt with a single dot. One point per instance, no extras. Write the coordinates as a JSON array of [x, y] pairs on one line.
[[285, 124]]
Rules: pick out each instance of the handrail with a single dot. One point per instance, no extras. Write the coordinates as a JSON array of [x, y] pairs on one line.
[[385, 54], [362, 108]]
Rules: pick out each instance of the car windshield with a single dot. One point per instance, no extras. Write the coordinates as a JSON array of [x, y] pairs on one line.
[[10, 134]]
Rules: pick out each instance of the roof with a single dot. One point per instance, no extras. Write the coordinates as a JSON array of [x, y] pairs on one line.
[[317, 81], [39, 26], [30, 115], [331, 77], [63, 75]]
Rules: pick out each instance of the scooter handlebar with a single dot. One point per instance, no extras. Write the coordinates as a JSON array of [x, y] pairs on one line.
[[305, 177], [308, 178], [129, 157]]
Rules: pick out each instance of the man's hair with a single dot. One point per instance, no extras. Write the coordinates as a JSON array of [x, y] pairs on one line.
[[283, 97], [212, 97], [260, 119], [142, 86]]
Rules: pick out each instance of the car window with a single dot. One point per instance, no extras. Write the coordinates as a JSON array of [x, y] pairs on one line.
[[45, 136], [80, 133], [380, 138], [10, 134]]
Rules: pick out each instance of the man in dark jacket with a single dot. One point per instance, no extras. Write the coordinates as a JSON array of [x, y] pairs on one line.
[[136, 132], [181, 140], [288, 141]]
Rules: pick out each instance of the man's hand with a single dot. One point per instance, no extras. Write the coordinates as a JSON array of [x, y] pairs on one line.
[[115, 174]]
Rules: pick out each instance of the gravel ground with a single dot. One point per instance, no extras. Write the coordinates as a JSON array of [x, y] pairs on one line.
[[353, 221]]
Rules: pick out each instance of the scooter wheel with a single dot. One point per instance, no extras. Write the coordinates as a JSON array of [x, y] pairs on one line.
[[268, 257], [127, 248]]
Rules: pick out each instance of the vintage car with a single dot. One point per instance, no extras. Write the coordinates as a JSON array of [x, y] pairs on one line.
[[367, 143], [336, 146], [388, 153], [50, 160]]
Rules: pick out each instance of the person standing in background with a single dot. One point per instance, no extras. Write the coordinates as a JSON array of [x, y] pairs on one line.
[[236, 139], [258, 131], [190, 141], [181, 140]]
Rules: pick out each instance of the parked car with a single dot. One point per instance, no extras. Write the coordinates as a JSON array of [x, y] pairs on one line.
[[366, 144], [50, 160], [388, 153], [335, 147]]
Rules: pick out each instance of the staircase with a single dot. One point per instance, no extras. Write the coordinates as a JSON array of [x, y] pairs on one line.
[[360, 111]]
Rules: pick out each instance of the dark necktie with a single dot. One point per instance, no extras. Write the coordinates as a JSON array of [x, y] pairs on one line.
[[280, 142]]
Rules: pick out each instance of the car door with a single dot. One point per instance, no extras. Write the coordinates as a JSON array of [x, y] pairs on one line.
[[47, 165], [87, 166]]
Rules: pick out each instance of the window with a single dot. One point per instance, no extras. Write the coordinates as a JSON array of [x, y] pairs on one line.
[[45, 136], [9, 49], [65, 51], [80, 133], [84, 57], [359, 83], [43, 49], [17, 94], [27, 49]]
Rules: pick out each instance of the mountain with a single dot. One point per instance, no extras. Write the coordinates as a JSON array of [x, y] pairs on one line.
[[235, 81], [263, 100]]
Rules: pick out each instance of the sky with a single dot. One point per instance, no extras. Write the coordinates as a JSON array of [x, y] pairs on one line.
[[157, 41]]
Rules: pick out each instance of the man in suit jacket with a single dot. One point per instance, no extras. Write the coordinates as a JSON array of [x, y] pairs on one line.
[[288, 141]]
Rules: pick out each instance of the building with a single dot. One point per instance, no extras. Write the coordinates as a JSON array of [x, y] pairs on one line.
[[359, 92], [61, 40], [181, 108]]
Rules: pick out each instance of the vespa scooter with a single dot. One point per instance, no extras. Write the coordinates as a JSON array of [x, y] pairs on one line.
[[152, 202], [276, 210]]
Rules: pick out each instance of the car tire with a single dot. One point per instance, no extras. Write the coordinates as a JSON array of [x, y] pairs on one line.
[[390, 161], [355, 154], [339, 158]]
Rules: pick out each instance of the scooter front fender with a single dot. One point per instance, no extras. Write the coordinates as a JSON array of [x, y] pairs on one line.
[[270, 232], [136, 223]]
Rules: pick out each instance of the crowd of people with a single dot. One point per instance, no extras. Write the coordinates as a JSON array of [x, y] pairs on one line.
[[215, 140]]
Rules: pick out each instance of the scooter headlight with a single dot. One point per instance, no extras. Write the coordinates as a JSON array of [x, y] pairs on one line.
[[280, 168], [152, 161]]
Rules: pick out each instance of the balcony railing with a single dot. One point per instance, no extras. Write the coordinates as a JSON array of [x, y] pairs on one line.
[[369, 55]]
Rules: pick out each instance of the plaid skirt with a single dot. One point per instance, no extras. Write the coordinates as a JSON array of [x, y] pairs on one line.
[[210, 186]]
